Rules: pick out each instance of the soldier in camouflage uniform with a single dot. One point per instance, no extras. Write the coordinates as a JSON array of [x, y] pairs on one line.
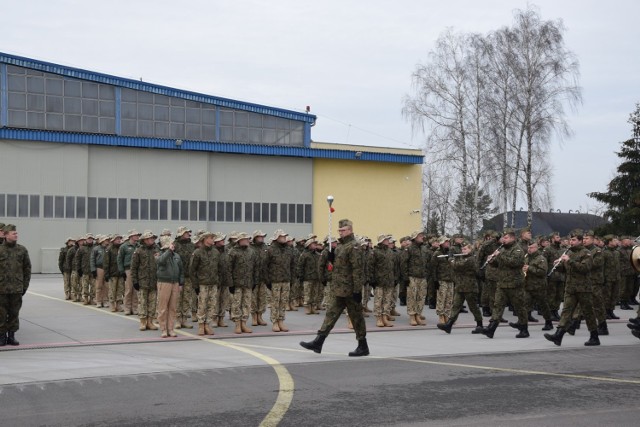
[[244, 276], [597, 280], [279, 273], [555, 280], [111, 274], [65, 268], [510, 286], [611, 274], [84, 264], [489, 273], [535, 283], [125, 254], [414, 268], [96, 264], [144, 279], [627, 274], [14, 282], [405, 242], [73, 274], [76, 279], [347, 282], [260, 292], [325, 270], [185, 248], [307, 273], [577, 264], [465, 268], [444, 275], [383, 281], [223, 298]]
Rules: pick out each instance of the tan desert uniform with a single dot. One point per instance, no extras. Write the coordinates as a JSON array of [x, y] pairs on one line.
[[125, 253], [112, 276], [414, 267], [144, 279], [260, 294], [279, 274], [185, 248], [244, 274]]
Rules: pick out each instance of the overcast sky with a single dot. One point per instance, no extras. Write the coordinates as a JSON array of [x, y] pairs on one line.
[[350, 61]]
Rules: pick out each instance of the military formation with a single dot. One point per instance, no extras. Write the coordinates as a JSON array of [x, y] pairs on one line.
[[174, 281]]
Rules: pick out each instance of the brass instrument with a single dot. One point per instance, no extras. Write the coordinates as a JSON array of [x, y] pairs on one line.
[[556, 263], [634, 257], [490, 257]]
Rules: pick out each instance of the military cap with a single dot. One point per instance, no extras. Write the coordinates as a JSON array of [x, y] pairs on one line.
[[290, 238], [416, 234], [9, 227], [311, 236], [458, 236], [89, 236], [242, 235], [279, 233], [148, 234], [345, 223], [103, 238], [309, 242], [258, 233], [525, 229], [181, 230], [219, 237], [404, 238], [608, 237], [577, 233], [443, 239], [391, 238], [509, 231], [116, 236], [165, 242], [70, 239], [382, 238], [133, 233], [233, 236], [589, 233], [165, 232], [81, 237], [202, 236], [326, 238]]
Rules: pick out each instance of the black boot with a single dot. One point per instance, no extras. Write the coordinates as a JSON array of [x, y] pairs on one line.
[[515, 325], [603, 329], [524, 332], [633, 326], [571, 330], [635, 334], [432, 304], [491, 329], [445, 326], [503, 320], [11, 338], [613, 315], [548, 325], [579, 322], [555, 316], [403, 300], [531, 318], [593, 339], [635, 320], [479, 328], [557, 337], [625, 306], [486, 312], [3, 340], [361, 350], [315, 345]]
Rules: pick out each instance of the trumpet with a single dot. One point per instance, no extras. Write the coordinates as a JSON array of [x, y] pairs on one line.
[[556, 263], [490, 257], [450, 255]]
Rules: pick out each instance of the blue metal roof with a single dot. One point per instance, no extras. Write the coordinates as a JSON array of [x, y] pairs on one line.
[[78, 73], [216, 147]]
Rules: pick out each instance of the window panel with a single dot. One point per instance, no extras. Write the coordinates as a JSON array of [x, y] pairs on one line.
[[59, 207], [175, 210], [70, 207], [274, 212], [265, 212], [48, 206], [135, 210], [12, 202], [299, 213], [80, 207], [144, 209], [202, 211], [193, 210], [257, 212], [212, 211], [113, 208], [228, 211], [237, 206], [292, 213], [122, 208], [163, 210], [220, 212], [102, 205], [184, 210], [153, 209], [92, 211], [34, 206], [23, 205], [307, 214], [283, 213], [248, 212]]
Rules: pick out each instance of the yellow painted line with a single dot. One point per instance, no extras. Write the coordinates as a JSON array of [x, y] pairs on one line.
[[286, 384]]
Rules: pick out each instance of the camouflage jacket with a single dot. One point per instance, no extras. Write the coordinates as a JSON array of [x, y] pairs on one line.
[[125, 255], [110, 261], [68, 261], [490, 270], [383, 267], [205, 267], [611, 265], [61, 257], [597, 267], [307, 268], [242, 267], [261, 257], [626, 269], [552, 253], [348, 272], [223, 267], [15, 269], [279, 264], [184, 248], [144, 267], [536, 279], [577, 270], [509, 263], [96, 260], [82, 260], [169, 267], [325, 267], [441, 266], [415, 262], [465, 269]]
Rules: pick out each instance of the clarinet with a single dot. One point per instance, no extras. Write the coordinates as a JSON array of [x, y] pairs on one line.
[[490, 257], [556, 263]]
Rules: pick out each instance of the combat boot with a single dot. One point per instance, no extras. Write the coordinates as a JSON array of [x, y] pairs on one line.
[[307, 309], [603, 329], [11, 338], [412, 320], [571, 330], [613, 315], [432, 304], [491, 329], [221, 323], [379, 322], [420, 320], [394, 313], [261, 321], [315, 345], [555, 316], [530, 318], [635, 320], [3, 340], [486, 312], [282, 327], [184, 324], [361, 350], [524, 332], [635, 334], [201, 330], [254, 319], [244, 328], [238, 329], [207, 329], [275, 327], [150, 324], [593, 339], [625, 306], [442, 319], [386, 320], [548, 325], [113, 307], [515, 325], [557, 337], [143, 324], [479, 328], [445, 326]]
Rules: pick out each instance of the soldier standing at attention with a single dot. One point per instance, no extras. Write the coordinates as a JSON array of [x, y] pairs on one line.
[[144, 279], [307, 273], [111, 274], [244, 276], [414, 268], [325, 269], [205, 268], [97, 270], [444, 276], [347, 281], [170, 275], [76, 279], [223, 298], [611, 274], [279, 275], [535, 283], [577, 264], [84, 264], [73, 275], [259, 295], [185, 248], [125, 253], [465, 268], [383, 281], [509, 261], [14, 282], [65, 268], [627, 274]]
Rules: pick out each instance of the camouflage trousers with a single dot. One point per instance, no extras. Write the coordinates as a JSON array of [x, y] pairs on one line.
[[241, 304], [147, 301], [312, 291], [66, 281], [130, 296], [383, 297], [116, 290], [224, 301], [571, 301], [183, 305], [472, 301], [88, 287], [627, 285], [76, 287], [296, 291], [207, 303], [167, 298], [610, 294], [515, 296], [279, 300], [555, 294], [329, 296], [102, 291], [416, 293], [432, 292], [366, 291], [538, 297], [445, 299], [193, 305], [599, 309], [354, 311], [259, 299], [488, 296], [10, 305]]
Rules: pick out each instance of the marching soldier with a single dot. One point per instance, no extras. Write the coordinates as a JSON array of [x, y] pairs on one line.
[[405, 242], [489, 272], [279, 269], [14, 282], [535, 283], [383, 281], [112, 275], [444, 276], [414, 269], [593, 245], [144, 279], [125, 254], [555, 280], [611, 274]]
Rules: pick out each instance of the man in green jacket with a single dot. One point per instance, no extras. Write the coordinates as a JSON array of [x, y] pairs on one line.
[[170, 275], [204, 269], [111, 275]]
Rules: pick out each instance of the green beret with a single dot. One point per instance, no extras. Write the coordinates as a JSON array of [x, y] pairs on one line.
[[509, 231]]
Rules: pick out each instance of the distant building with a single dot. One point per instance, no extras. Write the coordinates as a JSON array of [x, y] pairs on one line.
[[545, 223]]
